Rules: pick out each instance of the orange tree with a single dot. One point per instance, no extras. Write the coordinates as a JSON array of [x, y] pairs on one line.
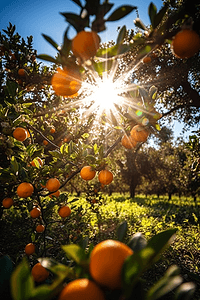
[[65, 97]]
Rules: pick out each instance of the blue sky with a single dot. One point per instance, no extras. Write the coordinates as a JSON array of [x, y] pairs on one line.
[[42, 16]]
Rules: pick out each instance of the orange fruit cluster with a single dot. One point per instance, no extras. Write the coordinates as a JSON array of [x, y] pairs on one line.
[[81, 289], [20, 134], [64, 211], [185, 44], [53, 184], [106, 262], [66, 82], [87, 173], [7, 202], [39, 273], [30, 249], [85, 44], [35, 212], [25, 190]]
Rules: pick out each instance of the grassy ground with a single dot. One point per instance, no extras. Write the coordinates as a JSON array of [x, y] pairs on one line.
[[100, 220]]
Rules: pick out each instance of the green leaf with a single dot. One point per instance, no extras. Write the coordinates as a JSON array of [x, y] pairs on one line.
[[76, 253], [185, 291], [76, 21], [14, 165], [122, 230], [12, 87], [22, 283], [137, 263], [50, 41], [138, 23], [121, 35], [159, 16], [152, 11], [77, 2], [120, 12], [152, 92], [47, 57], [137, 242]]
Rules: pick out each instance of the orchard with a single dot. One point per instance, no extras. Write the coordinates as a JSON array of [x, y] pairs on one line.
[[77, 130]]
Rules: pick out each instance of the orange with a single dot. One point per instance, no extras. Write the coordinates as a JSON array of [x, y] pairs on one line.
[[39, 273], [35, 212], [66, 82], [128, 142], [53, 184], [81, 289], [21, 72], [139, 133], [146, 59], [52, 130], [20, 134], [85, 44], [40, 228], [7, 202], [39, 161], [64, 211], [56, 194], [106, 262], [45, 142], [25, 190], [185, 43], [30, 249], [105, 177], [87, 173]]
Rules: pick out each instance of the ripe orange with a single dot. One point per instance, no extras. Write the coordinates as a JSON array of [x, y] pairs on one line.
[[64, 211], [21, 72], [105, 177], [30, 249], [106, 262], [81, 289], [20, 134], [25, 190], [53, 184], [87, 173], [146, 59], [52, 130], [40, 228], [35, 212], [85, 44], [56, 194], [39, 273], [7, 202], [39, 161], [45, 142], [139, 133], [128, 142], [66, 82], [185, 43]]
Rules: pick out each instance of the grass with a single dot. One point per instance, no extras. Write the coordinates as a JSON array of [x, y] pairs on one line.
[[99, 221]]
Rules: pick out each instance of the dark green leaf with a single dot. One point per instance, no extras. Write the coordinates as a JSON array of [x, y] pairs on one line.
[[47, 58], [104, 8], [166, 284], [137, 242], [12, 87], [122, 230], [121, 35], [14, 165], [120, 12], [161, 240], [138, 23], [22, 283], [66, 47], [77, 2], [152, 10], [50, 41], [159, 16], [76, 21], [185, 291]]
